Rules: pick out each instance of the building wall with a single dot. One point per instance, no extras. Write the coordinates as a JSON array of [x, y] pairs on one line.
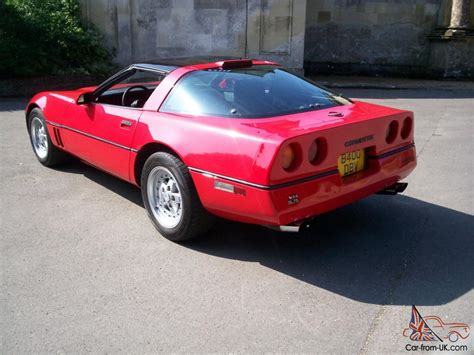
[[369, 35], [390, 37], [136, 30]]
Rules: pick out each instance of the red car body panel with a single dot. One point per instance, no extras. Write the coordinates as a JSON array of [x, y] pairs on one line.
[[238, 151]]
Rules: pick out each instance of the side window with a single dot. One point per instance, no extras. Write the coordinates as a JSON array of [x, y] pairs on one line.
[[141, 77], [132, 91]]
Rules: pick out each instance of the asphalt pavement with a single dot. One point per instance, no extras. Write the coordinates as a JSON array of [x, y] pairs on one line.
[[83, 270]]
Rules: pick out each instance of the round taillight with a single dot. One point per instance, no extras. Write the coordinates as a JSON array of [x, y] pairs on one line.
[[317, 151], [392, 131], [287, 157], [290, 156], [407, 127]]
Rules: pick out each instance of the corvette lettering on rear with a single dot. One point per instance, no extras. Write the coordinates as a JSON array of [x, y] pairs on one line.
[[359, 140]]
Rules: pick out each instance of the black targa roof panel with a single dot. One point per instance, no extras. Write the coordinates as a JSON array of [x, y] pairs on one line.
[[170, 64]]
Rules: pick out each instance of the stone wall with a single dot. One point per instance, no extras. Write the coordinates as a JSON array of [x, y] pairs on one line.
[[137, 30], [369, 36], [388, 37], [391, 37]]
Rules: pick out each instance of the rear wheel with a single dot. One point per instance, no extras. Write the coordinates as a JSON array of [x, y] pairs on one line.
[[171, 200], [45, 151]]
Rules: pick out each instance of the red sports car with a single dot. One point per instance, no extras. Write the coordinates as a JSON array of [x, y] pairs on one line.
[[240, 139]]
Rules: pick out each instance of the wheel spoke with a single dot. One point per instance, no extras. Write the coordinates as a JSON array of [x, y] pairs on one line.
[[176, 197], [174, 207]]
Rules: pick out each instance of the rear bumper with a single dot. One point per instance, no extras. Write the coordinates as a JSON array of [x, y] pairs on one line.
[[292, 203]]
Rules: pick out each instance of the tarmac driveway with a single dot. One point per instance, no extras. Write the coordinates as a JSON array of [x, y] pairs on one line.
[[82, 268]]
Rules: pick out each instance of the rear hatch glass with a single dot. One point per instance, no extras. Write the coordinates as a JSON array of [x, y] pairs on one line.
[[255, 92]]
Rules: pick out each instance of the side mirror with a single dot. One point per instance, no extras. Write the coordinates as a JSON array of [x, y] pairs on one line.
[[85, 98]]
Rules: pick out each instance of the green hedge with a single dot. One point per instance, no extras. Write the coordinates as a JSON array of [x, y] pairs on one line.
[[39, 37]]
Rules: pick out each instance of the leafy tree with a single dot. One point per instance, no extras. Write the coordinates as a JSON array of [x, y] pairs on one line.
[[48, 37]]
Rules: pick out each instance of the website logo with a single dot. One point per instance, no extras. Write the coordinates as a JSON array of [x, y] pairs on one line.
[[433, 329]]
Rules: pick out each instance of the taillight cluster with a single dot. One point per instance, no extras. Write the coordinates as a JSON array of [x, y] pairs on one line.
[[393, 129], [291, 155]]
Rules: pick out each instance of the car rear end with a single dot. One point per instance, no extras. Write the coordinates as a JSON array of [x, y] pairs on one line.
[[361, 150], [292, 149], [340, 165]]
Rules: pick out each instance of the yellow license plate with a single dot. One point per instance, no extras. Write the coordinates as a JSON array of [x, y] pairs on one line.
[[351, 162]]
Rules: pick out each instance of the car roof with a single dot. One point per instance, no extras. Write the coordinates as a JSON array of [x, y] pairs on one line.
[[170, 64]]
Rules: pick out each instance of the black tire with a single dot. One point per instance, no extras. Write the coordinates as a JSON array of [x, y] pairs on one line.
[[54, 155], [194, 219]]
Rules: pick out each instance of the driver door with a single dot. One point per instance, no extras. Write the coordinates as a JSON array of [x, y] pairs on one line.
[[101, 132]]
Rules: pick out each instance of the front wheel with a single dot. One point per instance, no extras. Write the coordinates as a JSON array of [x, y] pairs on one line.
[[43, 147], [171, 200]]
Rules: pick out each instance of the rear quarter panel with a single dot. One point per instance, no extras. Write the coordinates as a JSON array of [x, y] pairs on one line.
[[246, 149], [217, 145]]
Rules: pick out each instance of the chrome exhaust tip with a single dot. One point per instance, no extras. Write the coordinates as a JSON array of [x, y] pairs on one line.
[[291, 228], [394, 189]]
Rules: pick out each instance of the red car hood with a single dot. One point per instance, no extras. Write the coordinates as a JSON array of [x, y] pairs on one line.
[[71, 94]]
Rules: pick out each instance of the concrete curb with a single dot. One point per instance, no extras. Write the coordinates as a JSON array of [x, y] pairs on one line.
[[379, 83]]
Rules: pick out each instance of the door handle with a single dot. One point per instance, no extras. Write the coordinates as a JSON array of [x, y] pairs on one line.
[[125, 123]]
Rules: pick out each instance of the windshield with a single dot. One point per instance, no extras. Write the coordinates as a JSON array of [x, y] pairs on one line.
[[258, 91]]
